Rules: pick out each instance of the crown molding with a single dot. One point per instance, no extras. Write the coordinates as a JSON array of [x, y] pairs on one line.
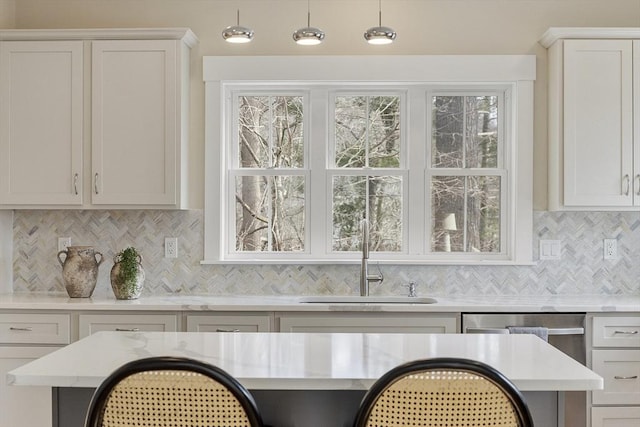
[[554, 34], [184, 34]]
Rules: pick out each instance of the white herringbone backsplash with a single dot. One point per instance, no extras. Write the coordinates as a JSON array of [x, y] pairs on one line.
[[581, 270]]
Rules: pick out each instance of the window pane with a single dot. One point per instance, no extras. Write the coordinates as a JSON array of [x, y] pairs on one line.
[[349, 201], [385, 210], [465, 214], [270, 213], [271, 131], [367, 131], [465, 132], [483, 214]]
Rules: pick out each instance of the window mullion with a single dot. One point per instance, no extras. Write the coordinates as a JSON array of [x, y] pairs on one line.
[[416, 190], [317, 139]]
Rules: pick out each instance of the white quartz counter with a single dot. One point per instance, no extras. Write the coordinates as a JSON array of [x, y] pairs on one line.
[[316, 361], [489, 304]]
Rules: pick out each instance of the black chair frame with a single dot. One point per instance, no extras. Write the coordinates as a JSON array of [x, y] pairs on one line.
[[168, 363], [458, 364]]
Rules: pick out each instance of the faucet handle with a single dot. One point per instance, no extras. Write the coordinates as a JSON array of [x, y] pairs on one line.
[[412, 289]]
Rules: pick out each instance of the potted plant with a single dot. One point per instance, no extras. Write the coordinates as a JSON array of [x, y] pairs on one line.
[[127, 275]]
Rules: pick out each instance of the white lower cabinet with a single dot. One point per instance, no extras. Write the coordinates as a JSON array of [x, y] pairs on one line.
[[25, 337], [615, 417], [229, 322], [23, 406], [374, 323], [92, 323], [614, 354]]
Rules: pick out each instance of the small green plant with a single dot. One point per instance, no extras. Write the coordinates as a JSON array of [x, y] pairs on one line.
[[129, 260]]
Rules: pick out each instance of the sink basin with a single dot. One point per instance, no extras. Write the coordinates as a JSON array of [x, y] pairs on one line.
[[356, 299]]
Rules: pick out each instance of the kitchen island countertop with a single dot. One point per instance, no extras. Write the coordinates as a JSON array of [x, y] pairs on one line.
[[308, 361]]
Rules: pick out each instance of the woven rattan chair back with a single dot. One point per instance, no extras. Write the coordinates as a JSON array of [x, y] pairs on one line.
[[171, 392], [443, 392]]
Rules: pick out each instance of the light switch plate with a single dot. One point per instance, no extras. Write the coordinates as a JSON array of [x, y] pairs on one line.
[[550, 249]]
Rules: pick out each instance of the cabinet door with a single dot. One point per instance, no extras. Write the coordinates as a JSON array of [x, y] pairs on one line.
[[615, 417], [23, 406], [41, 122], [636, 125], [598, 125], [134, 122]]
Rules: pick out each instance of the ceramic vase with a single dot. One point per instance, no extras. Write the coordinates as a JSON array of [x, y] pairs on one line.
[[79, 270], [126, 289]]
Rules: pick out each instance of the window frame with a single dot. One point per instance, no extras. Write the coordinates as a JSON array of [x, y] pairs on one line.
[[513, 73]]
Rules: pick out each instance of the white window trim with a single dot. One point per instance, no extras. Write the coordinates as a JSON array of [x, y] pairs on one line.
[[517, 71]]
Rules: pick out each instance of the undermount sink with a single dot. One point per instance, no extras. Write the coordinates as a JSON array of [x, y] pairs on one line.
[[356, 299]]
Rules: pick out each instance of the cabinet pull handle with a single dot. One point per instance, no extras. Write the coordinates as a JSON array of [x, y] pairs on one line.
[[633, 377], [626, 332], [638, 179], [95, 183], [75, 183], [14, 328], [551, 331], [227, 330], [127, 329], [627, 183]]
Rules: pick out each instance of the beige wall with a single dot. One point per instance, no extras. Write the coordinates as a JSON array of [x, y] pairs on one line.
[[7, 13], [424, 27]]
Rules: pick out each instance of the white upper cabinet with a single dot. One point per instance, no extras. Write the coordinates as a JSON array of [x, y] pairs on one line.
[[134, 122], [109, 131], [41, 113], [594, 155]]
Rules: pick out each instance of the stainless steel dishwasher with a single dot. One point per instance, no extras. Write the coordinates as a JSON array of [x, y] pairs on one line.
[[565, 332]]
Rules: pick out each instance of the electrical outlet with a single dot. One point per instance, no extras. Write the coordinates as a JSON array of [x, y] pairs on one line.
[[63, 243], [610, 249], [171, 247]]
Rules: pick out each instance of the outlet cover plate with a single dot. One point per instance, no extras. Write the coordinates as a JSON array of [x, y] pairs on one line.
[[171, 247], [610, 249], [63, 243]]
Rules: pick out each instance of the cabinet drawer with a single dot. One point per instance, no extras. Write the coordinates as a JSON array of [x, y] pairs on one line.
[[34, 329], [373, 324], [616, 331], [621, 372], [92, 323], [229, 323], [615, 417]]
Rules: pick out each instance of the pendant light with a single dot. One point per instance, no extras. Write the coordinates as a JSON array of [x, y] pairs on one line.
[[308, 35], [380, 34], [236, 33]]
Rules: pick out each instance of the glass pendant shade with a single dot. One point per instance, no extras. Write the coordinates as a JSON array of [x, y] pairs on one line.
[[380, 34], [237, 34]]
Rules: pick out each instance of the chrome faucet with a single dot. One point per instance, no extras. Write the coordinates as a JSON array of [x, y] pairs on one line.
[[365, 277]]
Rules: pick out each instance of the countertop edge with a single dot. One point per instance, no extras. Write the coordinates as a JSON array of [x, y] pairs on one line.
[[445, 304]]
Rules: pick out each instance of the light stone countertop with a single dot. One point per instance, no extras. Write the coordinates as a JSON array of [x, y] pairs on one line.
[[478, 304], [308, 361]]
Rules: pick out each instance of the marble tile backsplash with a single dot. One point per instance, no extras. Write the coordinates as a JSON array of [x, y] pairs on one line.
[[581, 270]]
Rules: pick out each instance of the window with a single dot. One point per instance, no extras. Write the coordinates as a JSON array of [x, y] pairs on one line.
[[439, 171]]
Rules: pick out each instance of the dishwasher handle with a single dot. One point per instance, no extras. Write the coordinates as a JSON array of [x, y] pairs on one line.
[[551, 331]]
